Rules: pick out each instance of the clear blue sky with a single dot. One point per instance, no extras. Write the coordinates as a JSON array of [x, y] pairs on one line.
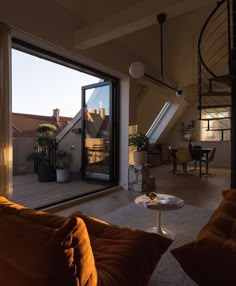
[[39, 86]]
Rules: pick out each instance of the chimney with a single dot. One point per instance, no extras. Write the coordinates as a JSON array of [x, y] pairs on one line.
[[56, 114], [102, 112]]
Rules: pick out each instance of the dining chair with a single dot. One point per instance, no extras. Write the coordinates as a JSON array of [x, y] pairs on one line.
[[172, 156], [207, 161], [183, 156], [196, 156], [171, 152]]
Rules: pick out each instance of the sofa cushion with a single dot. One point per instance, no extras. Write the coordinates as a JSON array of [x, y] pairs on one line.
[[40, 217], [32, 254], [225, 192], [43, 249], [211, 258], [123, 256]]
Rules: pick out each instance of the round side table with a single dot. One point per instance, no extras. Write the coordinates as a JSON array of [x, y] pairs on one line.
[[160, 203]]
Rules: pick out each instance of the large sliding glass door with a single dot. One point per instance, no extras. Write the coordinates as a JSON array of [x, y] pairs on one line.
[[98, 131], [100, 121]]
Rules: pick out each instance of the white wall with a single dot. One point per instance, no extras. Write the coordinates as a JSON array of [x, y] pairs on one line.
[[149, 107], [124, 125]]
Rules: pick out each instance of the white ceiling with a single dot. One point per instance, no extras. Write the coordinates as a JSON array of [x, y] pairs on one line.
[[127, 30], [116, 32], [91, 12], [119, 20]]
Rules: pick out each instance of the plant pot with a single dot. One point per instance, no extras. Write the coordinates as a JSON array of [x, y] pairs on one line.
[[140, 157], [63, 176], [46, 174]]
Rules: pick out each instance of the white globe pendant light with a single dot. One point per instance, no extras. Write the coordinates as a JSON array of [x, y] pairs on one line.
[[137, 70]]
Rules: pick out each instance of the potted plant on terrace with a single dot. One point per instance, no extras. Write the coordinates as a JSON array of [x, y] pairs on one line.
[[63, 160], [43, 154], [46, 141], [141, 142]]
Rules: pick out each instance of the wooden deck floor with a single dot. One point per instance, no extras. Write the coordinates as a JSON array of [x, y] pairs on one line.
[[28, 191]]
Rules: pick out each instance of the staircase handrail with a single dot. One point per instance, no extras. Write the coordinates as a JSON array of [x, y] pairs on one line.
[[219, 3]]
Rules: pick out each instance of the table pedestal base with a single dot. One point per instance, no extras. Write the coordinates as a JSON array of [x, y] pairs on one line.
[[161, 231]]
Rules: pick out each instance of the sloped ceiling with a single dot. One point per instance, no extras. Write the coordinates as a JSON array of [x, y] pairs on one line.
[[116, 33], [92, 12]]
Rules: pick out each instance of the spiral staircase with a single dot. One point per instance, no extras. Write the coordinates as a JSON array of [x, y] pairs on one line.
[[214, 71]]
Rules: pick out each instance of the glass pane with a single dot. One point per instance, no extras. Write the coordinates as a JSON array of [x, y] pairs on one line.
[[97, 131], [215, 121]]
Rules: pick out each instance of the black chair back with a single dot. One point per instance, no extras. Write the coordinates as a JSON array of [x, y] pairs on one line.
[[212, 155], [196, 155]]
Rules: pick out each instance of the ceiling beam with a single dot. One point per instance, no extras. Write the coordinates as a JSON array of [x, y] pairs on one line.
[[132, 19]]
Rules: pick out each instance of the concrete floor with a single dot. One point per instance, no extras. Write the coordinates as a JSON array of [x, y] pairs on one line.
[[202, 192]]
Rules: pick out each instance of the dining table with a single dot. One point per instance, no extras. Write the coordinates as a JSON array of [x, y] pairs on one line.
[[199, 153]]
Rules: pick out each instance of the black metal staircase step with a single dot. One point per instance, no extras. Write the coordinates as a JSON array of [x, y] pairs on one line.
[[226, 79], [217, 118], [221, 129], [214, 106], [216, 93]]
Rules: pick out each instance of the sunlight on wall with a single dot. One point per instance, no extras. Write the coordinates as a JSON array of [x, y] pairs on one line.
[[133, 129], [5, 109], [5, 170]]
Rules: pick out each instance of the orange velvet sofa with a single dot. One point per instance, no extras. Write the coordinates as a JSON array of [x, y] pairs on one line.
[[43, 249], [210, 260]]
